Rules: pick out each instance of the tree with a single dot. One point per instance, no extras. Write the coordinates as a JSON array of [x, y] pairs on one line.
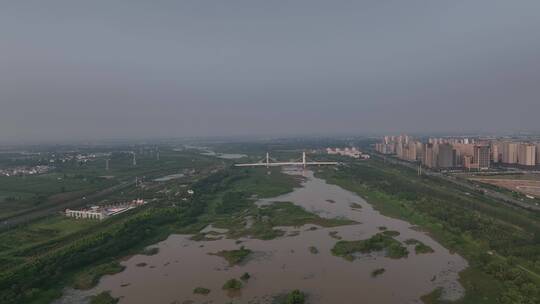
[[296, 297]]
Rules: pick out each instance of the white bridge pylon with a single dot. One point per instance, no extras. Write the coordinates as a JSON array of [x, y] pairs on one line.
[[304, 163]]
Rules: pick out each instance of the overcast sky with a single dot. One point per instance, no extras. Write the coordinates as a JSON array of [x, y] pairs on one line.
[[107, 69]]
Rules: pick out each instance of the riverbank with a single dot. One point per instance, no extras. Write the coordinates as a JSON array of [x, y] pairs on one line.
[[287, 261], [483, 232]]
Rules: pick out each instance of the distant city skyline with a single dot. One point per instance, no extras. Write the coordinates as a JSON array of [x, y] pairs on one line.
[[462, 152], [92, 70]]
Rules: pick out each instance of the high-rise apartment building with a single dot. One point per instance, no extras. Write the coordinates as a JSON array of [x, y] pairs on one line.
[[463, 150], [430, 156], [538, 153], [399, 150], [448, 152], [419, 151], [496, 152], [385, 148], [527, 154], [411, 151], [446, 156], [510, 153], [468, 162], [403, 146], [482, 157]]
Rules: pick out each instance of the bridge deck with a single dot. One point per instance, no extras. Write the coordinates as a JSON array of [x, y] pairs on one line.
[[288, 164], [303, 163]]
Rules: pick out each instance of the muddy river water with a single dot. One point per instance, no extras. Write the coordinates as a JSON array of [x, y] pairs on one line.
[[286, 263]]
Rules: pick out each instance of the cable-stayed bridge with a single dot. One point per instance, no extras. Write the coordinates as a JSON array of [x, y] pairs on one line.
[[268, 162]]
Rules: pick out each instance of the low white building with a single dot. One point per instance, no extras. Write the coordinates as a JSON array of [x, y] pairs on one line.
[[350, 152], [102, 212], [95, 214]]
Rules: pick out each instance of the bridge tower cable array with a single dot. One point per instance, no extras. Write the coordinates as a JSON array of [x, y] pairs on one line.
[[303, 162]]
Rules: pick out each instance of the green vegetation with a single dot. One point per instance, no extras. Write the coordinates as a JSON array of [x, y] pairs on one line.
[[419, 248], [334, 234], [432, 297], [150, 251], [234, 257], [38, 259], [72, 180], [472, 225], [201, 291], [232, 284], [267, 217], [391, 233], [356, 206], [412, 241], [89, 277], [379, 242], [103, 298], [245, 277], [38, 236], [422, 249], [44, 266], [258, 182], [377, 272], [288, 214], [313, 250], [202, 237], [295, 297], [235, 207], [23, 193]]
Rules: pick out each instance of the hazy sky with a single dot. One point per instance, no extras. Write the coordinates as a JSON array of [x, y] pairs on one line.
[[104, 69]]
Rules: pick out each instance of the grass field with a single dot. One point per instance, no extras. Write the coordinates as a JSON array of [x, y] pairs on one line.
[[20, 193], [70, 181], [15, 243]]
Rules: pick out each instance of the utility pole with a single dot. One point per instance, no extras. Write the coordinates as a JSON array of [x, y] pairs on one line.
[[107, 164], [134, 159]]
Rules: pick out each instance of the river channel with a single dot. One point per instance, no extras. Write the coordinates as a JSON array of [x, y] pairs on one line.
[[286, 263]]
